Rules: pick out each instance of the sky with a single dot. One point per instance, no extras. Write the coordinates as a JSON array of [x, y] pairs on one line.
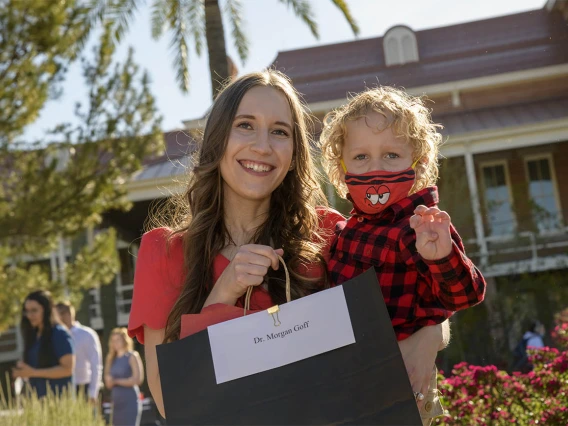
[[271, 28]]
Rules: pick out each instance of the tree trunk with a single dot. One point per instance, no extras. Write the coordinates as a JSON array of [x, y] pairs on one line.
[[215, 35]]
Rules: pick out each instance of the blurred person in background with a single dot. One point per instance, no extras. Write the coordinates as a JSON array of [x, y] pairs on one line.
[[49, 356], [88, 354], [123, 374], [532, 339]]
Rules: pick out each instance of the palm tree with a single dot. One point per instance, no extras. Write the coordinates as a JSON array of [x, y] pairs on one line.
[[196, 20]]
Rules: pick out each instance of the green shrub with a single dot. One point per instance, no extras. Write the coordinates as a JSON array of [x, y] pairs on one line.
[[64, 409]]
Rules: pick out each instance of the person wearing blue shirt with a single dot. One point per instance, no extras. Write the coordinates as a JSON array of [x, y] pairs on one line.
[[49, 355]]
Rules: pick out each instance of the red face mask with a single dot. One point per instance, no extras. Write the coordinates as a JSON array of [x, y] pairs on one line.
[[374, 191]]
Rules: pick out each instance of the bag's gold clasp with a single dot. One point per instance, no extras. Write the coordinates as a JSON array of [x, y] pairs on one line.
[[273, 312]]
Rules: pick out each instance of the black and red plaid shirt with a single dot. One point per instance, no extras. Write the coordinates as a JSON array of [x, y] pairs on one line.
[[418, 292]]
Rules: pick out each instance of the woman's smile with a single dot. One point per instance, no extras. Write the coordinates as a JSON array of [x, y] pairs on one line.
[[257, 168]]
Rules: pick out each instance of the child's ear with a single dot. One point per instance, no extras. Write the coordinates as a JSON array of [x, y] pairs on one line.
[[422, 162], [421, 168]]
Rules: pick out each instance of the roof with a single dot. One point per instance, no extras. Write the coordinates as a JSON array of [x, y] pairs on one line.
[[165, 167], [503, 116], [179, 145], [482, 48]]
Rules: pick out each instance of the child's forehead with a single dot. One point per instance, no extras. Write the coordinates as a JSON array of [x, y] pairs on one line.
[[360, 135], [372, 123], [379, 120]]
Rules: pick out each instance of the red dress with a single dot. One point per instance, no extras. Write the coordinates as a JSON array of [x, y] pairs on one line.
[[158, 281]]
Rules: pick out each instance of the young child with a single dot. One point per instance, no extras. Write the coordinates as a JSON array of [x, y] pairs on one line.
[[380, 152]]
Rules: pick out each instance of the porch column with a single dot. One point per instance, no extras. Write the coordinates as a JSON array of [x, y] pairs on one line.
[[475, 204]]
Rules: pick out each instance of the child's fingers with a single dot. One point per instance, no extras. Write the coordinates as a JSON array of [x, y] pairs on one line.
[[415, 221], [442, 216], [421, 209], [431, 211]]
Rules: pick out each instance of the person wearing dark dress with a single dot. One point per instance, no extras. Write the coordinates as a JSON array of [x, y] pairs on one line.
[[123, 374], [48, 347]]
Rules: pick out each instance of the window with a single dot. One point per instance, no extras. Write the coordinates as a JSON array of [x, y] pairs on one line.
[[400, 46], [393, 54], [95, 312], [11, 344], [543, 193], [125, 282], [498, 199]]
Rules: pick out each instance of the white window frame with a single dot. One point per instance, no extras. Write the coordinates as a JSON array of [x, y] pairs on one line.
[[97, 322], [505, 165], [546, 156], [122, 317], [393, 46], [6, 356]]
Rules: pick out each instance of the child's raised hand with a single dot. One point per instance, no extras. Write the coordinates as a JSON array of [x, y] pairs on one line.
[[432, 227]]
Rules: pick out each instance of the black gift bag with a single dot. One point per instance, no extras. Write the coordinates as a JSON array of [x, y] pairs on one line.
[[361, 383]]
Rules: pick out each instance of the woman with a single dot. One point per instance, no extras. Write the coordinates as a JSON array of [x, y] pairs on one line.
[[48, 347], [252, 196], [123, 374]]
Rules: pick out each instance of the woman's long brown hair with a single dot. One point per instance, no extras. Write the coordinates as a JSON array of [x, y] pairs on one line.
[[292, 221]]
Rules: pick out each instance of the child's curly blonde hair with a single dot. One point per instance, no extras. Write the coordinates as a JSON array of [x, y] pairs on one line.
[[407, 116]]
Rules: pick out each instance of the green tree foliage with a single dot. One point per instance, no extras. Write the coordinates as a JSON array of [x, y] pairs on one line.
[[56, 191], [38, 39]]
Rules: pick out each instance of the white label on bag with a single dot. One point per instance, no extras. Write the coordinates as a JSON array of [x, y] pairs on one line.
[[301, 329]]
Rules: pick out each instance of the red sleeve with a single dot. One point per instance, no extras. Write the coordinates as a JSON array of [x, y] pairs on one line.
[[459, 283], [210, 315], [454, 279], [158, 280]]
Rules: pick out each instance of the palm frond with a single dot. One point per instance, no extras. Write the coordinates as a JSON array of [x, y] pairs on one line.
[[303, 10], [342, 5], [159, 18], [234, 9], [196, 23], [178, 43], [120, 13], [97, 10], [94, 12]]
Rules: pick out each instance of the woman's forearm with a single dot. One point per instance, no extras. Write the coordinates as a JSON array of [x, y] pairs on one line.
[[57, 372], [108, 381], [217, 295], [151, 339], [129, 382]]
